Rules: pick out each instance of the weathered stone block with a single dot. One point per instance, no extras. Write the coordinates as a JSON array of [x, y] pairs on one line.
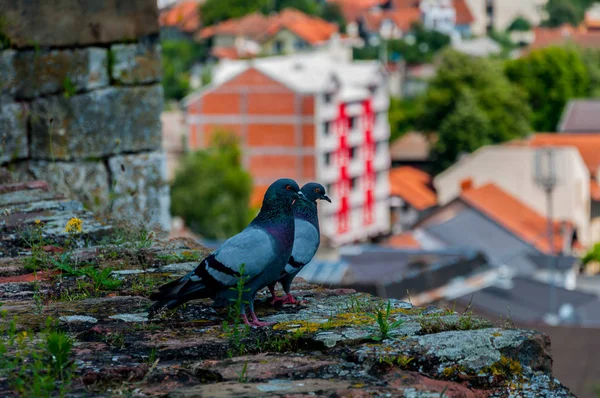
[[50, 72], [8, 79], [77, 22], [84, 181], [97, 124], [13, 132], [136, 63], [140, 188]]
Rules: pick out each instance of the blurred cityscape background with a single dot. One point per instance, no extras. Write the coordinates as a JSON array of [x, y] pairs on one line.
[[458, 139]]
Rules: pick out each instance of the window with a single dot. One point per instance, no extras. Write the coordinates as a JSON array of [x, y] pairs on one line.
[[299, 44], [354, 183], [326, 128], [353, 152], [351, 122], [329, 188], [278, 47], [327, 97], [327, 158]]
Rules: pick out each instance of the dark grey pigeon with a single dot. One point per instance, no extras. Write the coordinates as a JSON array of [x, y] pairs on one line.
[[264, 248], [306, 240]]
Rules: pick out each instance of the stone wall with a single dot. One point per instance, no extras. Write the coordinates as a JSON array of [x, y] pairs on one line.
[[80, 102]]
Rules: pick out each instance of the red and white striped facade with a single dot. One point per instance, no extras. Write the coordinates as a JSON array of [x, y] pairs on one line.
[[309, 118]]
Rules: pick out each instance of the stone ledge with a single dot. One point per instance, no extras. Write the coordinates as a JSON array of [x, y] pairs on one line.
[[136, 63], [14, 144], [326, 346]]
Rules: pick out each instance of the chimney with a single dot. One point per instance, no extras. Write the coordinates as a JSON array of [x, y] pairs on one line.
[[466, 184]]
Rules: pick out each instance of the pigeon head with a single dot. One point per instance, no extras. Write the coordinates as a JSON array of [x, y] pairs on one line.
[[284, 189], [314, 191]]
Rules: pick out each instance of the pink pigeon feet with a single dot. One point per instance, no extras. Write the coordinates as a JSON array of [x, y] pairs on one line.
[[255, 321], [287, 299]]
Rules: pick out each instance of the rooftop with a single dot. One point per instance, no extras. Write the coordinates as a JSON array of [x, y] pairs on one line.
[[414, 186], [581, 116], [184, 15], [513, 215], [545, 37], [307, 73], [259, 27]]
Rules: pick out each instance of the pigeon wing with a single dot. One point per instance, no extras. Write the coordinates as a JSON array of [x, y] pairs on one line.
[[306, 243], [253, 247]]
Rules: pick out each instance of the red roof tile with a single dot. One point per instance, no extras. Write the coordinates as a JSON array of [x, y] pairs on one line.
[[588, 146], [414, 186], [259, 27], [184, 15], [353, 9], [403, 241], [545, 37], [463, 13], [513, 215]]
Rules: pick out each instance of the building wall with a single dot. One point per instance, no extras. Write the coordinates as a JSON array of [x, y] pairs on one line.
[[502, 13], [329, 166], [275, 126], [512, 169], [82, 110]]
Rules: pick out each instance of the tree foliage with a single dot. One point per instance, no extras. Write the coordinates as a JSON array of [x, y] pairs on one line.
[[566, 12], [211, 190], [478, 83], [403, 115], [591, 60], [419, 46], [550, 76], [520, 24], [214, 11], [464, 130], [178, 56]]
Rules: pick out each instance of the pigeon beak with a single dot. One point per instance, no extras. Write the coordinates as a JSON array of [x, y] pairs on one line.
[[327, 198], [298, 195]]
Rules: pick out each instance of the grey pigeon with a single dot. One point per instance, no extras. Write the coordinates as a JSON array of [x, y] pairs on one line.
[[264, 247], [306, 240]]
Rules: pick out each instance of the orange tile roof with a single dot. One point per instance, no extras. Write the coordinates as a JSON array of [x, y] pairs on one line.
[[260, 27], [463, 13], [588, 146], [403, 18], [403, 241], [513, 215], [184, 15], [353, 9], [312, 29], [545, 37], [414, 186]]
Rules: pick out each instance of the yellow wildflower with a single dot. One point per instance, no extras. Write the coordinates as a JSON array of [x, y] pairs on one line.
[[73, 225], [38, 222]]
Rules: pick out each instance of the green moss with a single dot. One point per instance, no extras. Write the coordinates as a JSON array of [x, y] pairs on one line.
[[463, 322], [401, 361], [506, 367]]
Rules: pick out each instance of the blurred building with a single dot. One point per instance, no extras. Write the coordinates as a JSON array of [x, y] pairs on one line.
[[412, 197], [511, 167], [307, 117], [581, 36], [287, 32], [499, 14], [179, 19], [581, 116]]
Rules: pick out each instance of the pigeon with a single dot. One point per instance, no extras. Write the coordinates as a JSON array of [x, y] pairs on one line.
[[306, 240], [263, 247]]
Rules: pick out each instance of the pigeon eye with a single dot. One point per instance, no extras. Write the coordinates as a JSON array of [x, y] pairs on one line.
[[288, 187], [317, 190]]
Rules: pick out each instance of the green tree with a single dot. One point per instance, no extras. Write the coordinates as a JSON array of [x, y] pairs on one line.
[[214, 11], [477, 81], [211, 190], [591, 60], [520, 24], [178, 56], [550, 76], [419, 46], [403, 115], [332, 12], [464, 130], [309, 7], [566, 12]]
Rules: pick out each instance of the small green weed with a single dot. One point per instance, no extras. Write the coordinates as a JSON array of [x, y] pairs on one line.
[[384, 322], [233, 332], [242, 377]]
